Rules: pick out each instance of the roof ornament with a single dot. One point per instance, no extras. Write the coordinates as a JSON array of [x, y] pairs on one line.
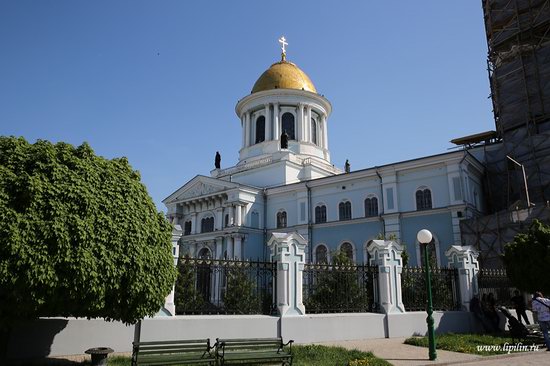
[[283, 43]]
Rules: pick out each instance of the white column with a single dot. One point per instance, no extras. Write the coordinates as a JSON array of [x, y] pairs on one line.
[[300, 122], [267, 122], [325, 134], [231, 216], [387, 255], [194, 223], [308, 124], [276, 131], [288, 250], [229, 244], [243, 127], [465, 260], [238, 215], [247, 129], [219, 218], [238, 247], [219, 248]]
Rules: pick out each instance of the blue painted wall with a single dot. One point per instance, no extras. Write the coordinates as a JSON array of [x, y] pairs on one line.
[[438, 224], [356, 233]]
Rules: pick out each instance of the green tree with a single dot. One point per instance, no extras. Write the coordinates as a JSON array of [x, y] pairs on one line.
[[79, 236], [240, 297], [527, 259], [186, 297], [337, 287], [393, 237]]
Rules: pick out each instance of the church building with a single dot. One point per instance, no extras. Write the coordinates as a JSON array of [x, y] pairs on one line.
[[285, 181]]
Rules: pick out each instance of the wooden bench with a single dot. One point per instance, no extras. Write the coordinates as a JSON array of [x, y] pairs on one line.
[[256, 350], [184, 352]]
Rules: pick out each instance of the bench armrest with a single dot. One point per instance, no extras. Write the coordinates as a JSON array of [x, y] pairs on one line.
[[289, 343]]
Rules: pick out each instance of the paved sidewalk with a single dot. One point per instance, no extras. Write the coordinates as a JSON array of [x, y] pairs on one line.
[[397, 353]]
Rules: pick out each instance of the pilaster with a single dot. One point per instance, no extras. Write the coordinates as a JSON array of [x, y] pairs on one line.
[[464, 258], [386, 254], [288, 250], [169, 304]]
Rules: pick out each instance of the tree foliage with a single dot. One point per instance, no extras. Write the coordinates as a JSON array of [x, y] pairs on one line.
[[186, 296], [79, 236], [240, 297], [527, 259], [337, 287]]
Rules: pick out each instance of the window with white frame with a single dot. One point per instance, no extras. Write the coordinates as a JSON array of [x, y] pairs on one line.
[[260, 129], [321, 254], [287, 125], [347, 249], [344, 211], [281, 219], [371, 206], [313, 131], [207, 224], [423, 198], [320, 214], [187, 228]]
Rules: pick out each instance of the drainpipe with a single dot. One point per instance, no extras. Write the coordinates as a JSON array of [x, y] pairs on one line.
[[381, 212], [309, 224], [264, 194]]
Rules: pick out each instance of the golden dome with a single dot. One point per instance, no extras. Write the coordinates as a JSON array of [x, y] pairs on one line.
[[283, 75]]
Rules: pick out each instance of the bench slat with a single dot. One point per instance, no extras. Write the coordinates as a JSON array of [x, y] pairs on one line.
[[175, 352], [152, 343]]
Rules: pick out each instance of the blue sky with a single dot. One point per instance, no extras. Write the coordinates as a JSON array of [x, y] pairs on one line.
[[157, 81]]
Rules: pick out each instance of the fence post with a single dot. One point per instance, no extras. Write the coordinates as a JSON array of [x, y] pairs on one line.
[[386, 254], [288, 250], [464, 259], [169, 304]]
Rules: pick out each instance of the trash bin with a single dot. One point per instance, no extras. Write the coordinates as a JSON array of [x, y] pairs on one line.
[[99, 355]]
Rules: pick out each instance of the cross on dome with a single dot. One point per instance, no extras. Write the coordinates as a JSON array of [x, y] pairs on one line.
[[283, 43]]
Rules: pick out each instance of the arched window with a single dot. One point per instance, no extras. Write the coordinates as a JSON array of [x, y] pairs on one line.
[[288, 125], [255, 220], [187, 228], [313, 131], [347, 249], [281, 219], [226, 220], [204, 253], [432, 254], [207, 224], [320, 214], [423, 199], [321, 254], [260, 129], [344, 211], [371, 207]]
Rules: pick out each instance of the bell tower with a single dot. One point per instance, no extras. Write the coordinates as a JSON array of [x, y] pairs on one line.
[[284, 129]]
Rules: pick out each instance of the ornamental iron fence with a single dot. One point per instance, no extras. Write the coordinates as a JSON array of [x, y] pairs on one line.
[[329, 288], [495, 286], [207, 286], [445, 289]]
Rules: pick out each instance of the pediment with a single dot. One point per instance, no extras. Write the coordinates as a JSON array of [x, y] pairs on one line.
[[198, 187]]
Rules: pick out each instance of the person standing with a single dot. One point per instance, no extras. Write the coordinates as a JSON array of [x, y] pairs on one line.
[[519, 305], [541, 306]]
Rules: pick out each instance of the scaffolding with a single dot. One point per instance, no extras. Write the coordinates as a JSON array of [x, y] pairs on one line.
[[518, 39]]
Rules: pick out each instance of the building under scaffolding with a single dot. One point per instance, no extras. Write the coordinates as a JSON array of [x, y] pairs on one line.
[[518, 38]]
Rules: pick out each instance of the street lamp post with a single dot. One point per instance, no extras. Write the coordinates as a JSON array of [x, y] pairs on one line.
[[424, 238]]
